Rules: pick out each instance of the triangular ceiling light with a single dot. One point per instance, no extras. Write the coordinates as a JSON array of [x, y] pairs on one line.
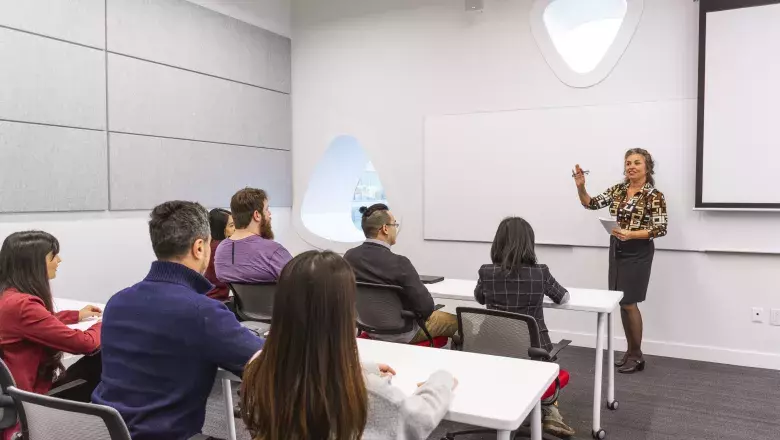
[[583, 40]]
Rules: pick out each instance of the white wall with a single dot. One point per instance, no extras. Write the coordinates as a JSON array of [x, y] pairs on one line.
[[104, 252], [374, 70], [272, 15]]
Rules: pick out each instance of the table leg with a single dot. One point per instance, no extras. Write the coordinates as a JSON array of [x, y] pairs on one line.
[[611, 403], [598, 373], [227, 393], [536, 422], [504, 435]]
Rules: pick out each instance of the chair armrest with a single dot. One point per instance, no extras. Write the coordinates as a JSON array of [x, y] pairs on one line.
[[457, 342], [438, 307], [66, 387], [558, 347], [408, 314], [8, 416], [424, 328], [539, 354], [200, 437]]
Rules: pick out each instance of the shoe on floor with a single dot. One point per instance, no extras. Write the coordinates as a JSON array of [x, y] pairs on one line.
[[552, 422]]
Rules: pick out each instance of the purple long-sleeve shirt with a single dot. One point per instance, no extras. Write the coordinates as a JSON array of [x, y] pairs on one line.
[[250, 260]]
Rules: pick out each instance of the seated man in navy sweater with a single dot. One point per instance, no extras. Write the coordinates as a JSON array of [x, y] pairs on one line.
[[163, 338]]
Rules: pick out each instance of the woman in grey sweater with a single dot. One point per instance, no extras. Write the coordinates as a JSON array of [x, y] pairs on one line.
[[308, 383]]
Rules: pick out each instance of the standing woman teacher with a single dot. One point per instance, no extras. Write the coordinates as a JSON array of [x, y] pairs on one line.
[[640, 210]]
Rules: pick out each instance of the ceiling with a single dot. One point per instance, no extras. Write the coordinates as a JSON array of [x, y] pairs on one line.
[[273, 15]]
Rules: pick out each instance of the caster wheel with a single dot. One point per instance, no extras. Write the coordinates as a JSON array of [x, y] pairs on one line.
[[613, 405], [600, 434]]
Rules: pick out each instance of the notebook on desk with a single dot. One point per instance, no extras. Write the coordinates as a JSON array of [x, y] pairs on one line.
[[430, 279]]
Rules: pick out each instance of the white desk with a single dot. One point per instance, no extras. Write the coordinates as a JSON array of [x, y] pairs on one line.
[[500, 400], [456, 292], [61, 304], [493, 392]]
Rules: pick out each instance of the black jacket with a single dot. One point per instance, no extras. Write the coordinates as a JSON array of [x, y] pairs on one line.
[[377, 264]]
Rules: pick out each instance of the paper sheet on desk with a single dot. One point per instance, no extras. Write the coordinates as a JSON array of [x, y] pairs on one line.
[[609, 224], [85, 325]]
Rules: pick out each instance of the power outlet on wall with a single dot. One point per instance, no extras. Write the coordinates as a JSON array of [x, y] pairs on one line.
[[758, 314], [774, 317]]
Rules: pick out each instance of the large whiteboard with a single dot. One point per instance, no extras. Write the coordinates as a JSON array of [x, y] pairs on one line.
[[481, 167], [740, 136]]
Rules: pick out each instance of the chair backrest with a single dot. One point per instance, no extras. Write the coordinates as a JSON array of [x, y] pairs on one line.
[[254, 302], [49, 418], [8, 414], [379, 310], [497, 333]]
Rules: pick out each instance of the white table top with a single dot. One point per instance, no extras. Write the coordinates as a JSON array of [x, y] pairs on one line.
[[61, 304], [584, 300], [493, 392]]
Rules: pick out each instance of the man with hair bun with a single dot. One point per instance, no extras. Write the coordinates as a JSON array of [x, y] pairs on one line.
[[374, 262]]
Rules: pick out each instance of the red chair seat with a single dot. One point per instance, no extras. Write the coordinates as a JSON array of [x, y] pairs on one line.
[[563, 379], [438, 341]]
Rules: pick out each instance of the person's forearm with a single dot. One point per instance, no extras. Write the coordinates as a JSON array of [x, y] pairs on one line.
[[584, 197], [643, 234], [370, 368]]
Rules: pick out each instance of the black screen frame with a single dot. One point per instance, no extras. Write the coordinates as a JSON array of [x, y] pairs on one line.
[[706, 6]]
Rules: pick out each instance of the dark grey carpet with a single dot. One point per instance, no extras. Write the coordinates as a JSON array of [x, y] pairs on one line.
[[671, 399]]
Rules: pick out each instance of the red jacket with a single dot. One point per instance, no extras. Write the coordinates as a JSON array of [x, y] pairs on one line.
[[26, 328], [220, 292]]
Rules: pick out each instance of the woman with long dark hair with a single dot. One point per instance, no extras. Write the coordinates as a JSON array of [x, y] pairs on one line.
[[640, 210], [32, 336], [308, 383], [515, 282], [222, 227]]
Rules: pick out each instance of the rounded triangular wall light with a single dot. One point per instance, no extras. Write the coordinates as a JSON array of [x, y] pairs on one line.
[[343, 180], [583, 40]]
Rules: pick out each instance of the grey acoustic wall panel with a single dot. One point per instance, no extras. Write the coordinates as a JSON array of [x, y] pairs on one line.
[[182, 34], [79, 21], [48, 81], [46, 168], [146, 171], [149, 98]]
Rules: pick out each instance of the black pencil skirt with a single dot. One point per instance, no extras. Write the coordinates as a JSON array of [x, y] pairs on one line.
[[629, 268]]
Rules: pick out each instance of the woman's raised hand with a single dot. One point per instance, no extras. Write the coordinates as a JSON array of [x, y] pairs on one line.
[[579, 176]]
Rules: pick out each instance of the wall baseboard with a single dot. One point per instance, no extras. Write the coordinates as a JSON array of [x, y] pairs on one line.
[[703, 353]]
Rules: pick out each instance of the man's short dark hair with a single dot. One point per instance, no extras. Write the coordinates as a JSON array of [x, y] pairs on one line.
[[175, 226], [244, 203], [374, 218]]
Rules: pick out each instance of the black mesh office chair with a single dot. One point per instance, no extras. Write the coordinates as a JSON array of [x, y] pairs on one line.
[[8, 413], [49, 418], [379, 311], [254, 302], [9, 409], [506, 334]]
